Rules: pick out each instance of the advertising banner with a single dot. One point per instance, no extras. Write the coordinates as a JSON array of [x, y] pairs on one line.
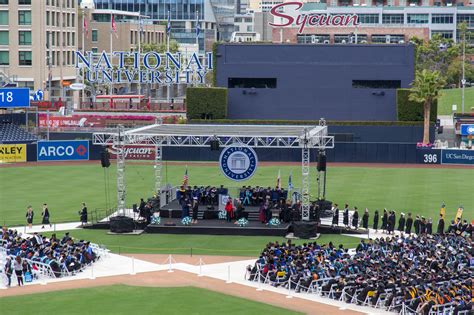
[[84, 120], [135, 153], [428, 156], [467, 129], [69, 150], [10, 153], [457, 157]]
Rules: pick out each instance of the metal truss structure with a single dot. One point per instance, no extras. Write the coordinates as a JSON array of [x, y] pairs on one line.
[[261, 136]]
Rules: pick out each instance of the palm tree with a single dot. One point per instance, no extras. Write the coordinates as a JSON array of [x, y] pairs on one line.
[[425, 90]]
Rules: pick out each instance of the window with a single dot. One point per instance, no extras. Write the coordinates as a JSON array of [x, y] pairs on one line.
[[24, 1], [53, 18], [442, 19], [95, 50], [4, 38], [248, 20], [248, 83], [24, 17], [444, 34], [24, 37], [468, 18], [73, 23], [342, 39], [417, 18], [388, 39], [4, 58], [312, 38], [24, 58], [53, 59], [392, 18], [53, 43], [68, 40], [47, 18], [73, 39], [368, 18], [3, 17], [376, 84], [249, 28], [94, 35], [3, 1]]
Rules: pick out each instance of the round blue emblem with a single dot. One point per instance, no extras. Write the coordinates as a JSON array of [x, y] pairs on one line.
[[238, 162]]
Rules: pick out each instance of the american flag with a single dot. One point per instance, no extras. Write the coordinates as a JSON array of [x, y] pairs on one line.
[[185, 177], [86, 29], [114, 26]]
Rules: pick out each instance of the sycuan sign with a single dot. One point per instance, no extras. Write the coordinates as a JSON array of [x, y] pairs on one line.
[[150, 67], [311, 20]]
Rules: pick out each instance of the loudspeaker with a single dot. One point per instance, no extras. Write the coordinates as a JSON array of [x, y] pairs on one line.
[[105, 158], [214, 145], [321, 163]]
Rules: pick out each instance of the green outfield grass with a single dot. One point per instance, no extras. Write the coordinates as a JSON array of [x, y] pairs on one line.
[[416, 190], [453, 96], [223, 245], [121, 299]]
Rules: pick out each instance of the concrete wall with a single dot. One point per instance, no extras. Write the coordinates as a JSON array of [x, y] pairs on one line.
[[314, 81]]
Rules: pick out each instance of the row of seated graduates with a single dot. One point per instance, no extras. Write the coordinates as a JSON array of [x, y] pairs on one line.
[[207, 196], [256, 196]]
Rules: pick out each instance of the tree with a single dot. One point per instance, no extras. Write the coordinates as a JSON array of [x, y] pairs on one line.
[[425, 90], [436, 54]]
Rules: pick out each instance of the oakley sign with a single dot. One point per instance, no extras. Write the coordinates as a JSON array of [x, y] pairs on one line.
[[282, 18]]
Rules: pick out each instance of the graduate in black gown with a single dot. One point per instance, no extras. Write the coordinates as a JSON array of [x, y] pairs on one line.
[[440, 225], [335, 215], [401, 222], [345, 216], [384, 220], [355, 218], [365, 219], [376, 220], [408, 224]]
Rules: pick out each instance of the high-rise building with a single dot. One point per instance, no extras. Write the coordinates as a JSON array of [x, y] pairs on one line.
[[392, 21], [38, 40], [183, 16]]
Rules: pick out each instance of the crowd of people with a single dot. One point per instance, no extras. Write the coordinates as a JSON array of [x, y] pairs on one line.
[[421, 271], [64, 255]]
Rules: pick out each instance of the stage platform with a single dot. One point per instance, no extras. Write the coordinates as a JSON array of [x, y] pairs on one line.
[[217, 227]]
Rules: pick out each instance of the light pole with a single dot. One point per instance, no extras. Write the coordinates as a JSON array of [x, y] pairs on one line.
[[463, 80]]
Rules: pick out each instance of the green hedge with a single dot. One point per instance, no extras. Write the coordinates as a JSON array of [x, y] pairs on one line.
[[304, 122], [204, 100], [410, 111]]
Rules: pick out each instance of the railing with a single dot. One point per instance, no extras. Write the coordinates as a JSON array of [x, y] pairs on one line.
[[126, 105], [316, 287]]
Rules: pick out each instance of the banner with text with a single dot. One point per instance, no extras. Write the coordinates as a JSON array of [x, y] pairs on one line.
[[135, 153], [457, 157], [70, 150], [11, 153]]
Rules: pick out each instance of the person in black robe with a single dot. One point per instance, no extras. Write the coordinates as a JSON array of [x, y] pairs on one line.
[[440, 225], [416, 224], [83, 214], [376, 220], [335, 216], [355, 219], [195, 210], [365, 219], [401, 222], [385, 220], [423, 225], [429, 226], [345, 216], [45, 215], [408, 224], [391, 222]]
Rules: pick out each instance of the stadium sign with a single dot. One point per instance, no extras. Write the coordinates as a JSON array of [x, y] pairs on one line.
[[457, 157], [282, 19], [467, 129], [238, 162], [150, 67], [70, 150], [12, 153], [135, 152]]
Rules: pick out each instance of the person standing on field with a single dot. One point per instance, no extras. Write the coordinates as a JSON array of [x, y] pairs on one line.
[[29, 216], [45, 215]]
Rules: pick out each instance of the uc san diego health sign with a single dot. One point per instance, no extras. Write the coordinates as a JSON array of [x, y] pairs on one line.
[[238, 162], [150, 67]]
